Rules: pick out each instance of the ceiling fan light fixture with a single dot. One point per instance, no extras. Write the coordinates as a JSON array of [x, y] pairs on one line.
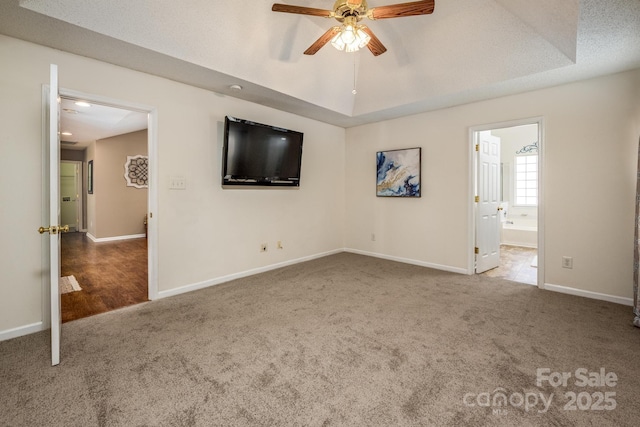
[[348, 34], [361, 37], [337, 42], [350, 38], [351, 48]]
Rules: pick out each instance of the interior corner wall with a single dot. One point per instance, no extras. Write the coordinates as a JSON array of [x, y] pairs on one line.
[[119, 209], [205, 232], [590, 153]]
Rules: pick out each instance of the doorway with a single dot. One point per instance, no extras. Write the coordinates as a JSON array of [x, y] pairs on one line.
[[71, 194], [512, 231], [106, 255]]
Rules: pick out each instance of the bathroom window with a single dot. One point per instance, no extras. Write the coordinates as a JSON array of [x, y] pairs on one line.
[[526, 171]]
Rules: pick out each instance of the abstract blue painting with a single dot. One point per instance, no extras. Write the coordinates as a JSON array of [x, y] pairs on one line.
[[398, 173]]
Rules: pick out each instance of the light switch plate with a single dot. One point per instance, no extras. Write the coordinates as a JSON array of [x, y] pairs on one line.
[[177, 182]]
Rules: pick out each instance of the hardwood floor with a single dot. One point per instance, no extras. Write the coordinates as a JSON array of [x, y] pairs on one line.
[[111, 274]]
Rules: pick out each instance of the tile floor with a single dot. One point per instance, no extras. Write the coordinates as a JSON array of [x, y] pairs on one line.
[[518, 264]]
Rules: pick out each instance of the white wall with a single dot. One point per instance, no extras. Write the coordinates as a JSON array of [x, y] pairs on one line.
[[205, 232], [590, 146], [119, 209]]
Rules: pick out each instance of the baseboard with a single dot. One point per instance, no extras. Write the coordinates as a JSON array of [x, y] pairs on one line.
[[519, 244], [21, 330], [230, 277], [410, 261], [114, 238], [589, 294]]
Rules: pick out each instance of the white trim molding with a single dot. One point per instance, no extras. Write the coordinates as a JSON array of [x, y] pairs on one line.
[[234, 276], [114, 238], [589, 294], [21, 331], [449, 268]]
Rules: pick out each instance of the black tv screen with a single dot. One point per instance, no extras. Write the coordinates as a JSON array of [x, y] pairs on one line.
[[259, 154]]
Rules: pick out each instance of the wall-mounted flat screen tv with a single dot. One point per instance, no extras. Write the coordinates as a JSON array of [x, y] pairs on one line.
[[260, 155]]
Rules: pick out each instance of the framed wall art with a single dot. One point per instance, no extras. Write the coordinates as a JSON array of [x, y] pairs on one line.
[[136, 171], [398, 173], [90, 177]]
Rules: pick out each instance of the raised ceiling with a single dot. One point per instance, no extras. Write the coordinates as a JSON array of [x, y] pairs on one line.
[[467, 50]]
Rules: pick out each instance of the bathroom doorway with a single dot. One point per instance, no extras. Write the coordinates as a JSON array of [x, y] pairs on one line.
[[518, 215]]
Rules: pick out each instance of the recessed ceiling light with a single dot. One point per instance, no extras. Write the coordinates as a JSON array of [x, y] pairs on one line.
[[67, 133], [82, 104], [235, 87]]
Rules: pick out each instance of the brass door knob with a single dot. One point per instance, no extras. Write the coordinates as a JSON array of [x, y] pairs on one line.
[[50, 230], [53, 229]]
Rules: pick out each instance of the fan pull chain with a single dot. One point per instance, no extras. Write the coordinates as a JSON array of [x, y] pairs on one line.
[[354, 91]]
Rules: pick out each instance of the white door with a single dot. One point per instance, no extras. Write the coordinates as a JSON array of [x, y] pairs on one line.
[[488, 202], [53, 122]]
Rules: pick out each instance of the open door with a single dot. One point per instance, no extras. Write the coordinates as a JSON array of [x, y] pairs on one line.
[[53, 230], [487, 202]]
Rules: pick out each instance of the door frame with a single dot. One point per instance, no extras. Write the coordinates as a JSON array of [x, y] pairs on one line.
[[471, 217], [152, 195]]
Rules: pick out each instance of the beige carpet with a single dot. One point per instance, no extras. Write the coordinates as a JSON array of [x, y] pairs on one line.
[[344, 340]]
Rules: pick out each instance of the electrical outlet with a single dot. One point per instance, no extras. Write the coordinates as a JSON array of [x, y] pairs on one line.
[[263, 247], [280, 245], [567, 262]]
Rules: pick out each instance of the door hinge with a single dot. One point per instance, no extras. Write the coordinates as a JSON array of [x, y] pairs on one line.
[[477, 147], [477, 199], [476, 250]]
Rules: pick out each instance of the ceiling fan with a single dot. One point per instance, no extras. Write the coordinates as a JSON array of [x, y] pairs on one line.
[[352, 36]]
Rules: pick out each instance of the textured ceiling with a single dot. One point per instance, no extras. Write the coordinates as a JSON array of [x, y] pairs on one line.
[[467, 50]]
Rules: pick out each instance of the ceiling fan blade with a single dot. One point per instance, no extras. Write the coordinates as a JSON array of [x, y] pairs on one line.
[[375, 45], [287, 8], [402, 9], [324, 39]]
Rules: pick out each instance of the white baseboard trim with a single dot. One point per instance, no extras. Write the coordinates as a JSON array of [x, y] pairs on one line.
[[520, 244], [234, 276], [589, 294], [21, 330], [115, 238], [410, 261]]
